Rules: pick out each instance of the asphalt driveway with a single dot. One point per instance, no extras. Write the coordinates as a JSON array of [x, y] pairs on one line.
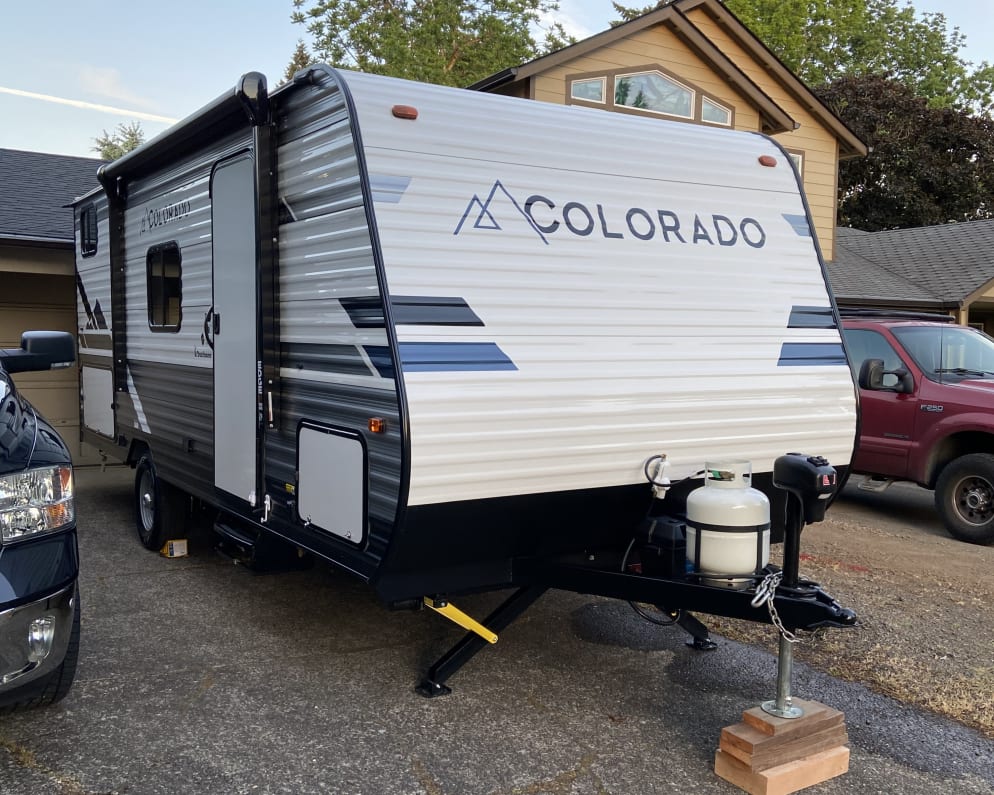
[[198, 676]]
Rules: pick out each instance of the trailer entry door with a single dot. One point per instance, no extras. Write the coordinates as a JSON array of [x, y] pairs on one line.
[[234, 236]]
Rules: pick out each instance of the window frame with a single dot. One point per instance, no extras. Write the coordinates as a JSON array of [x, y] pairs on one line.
[[797, 157], [602, 79], [719, 106], [694, 95], [161, 295], [88, 230], [610, 76]]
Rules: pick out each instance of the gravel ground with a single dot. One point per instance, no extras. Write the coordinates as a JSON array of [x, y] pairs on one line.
[[925, 601]]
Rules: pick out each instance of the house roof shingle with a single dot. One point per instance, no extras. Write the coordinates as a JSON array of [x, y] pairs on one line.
[[942, 265], [34, 190]]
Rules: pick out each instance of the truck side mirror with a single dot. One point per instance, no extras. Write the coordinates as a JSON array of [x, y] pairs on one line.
[[872, 372], [40, 350]]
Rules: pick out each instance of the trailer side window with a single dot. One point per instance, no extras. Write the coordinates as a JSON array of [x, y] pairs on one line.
[[88, 230], [164, 273]]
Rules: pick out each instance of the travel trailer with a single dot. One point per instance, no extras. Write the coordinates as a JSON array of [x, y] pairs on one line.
[[454, 342]]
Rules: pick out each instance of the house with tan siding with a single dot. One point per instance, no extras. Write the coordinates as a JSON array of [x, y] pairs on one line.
[[693, 61], [38, 273]]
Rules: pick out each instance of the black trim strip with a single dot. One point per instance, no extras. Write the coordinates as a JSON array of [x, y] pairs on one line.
[[811, 317], [724, 528], [411, 310]]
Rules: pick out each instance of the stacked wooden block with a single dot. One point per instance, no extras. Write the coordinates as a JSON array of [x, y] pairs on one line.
[[767, 755]]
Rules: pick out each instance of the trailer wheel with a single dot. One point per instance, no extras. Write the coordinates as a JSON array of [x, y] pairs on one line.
[[158, 506], [964, 498], [54, 686]]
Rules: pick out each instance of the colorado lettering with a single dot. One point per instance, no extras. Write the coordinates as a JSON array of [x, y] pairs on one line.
[[666, 225], [160, 216]]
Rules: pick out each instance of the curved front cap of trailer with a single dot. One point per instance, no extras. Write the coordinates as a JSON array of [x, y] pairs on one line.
[[572, 292]]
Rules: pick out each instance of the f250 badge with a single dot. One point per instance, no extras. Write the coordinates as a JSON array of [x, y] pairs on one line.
[[933, 407]]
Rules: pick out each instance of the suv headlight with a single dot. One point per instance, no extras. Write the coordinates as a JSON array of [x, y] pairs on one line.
[[36, 501]]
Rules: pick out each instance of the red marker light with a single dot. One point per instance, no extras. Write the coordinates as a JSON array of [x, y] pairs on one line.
[[767, 160], [404, 111]]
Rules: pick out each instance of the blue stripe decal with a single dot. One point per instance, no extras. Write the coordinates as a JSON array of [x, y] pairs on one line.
[[811, 317], [439, 357], [388, 188], [799, 224], [812, 354]]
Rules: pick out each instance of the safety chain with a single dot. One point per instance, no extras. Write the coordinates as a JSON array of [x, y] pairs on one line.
[[764, 595]]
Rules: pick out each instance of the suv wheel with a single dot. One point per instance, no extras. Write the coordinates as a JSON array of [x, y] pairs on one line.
[[964, 498]]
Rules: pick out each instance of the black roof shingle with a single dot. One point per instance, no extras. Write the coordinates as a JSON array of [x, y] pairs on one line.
[[34, 190], [939, 265]]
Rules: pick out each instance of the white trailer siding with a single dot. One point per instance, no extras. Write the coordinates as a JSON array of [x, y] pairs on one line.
[[605, 348]]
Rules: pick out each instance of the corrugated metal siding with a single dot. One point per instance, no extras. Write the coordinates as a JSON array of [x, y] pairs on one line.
[[171, 386], [623, 347], [326, 255]]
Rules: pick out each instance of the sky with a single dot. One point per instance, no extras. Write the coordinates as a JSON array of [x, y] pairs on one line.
[[70, 71]]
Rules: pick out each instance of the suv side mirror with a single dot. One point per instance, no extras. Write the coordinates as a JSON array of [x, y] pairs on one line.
[[871, 376], [40, 350]]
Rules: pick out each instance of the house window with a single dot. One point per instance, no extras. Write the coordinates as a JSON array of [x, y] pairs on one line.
[[88, 230], [589, 90], [713, 113], [655, 92], [165, 287], [798, 159]]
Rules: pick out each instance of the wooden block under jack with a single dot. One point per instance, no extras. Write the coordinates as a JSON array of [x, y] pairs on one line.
[[769, 755], [785, 778]]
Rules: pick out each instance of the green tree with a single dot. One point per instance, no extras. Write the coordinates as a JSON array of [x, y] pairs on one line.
[[301, 59], [927, 165], [127, 136], [451, 42], [824, 40]]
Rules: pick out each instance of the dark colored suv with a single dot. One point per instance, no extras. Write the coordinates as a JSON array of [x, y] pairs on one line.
[[927, 412], [39, 561]]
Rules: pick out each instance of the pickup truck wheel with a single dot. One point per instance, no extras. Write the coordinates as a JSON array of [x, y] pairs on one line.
[[964, 498], [158, 506], [54, 686]]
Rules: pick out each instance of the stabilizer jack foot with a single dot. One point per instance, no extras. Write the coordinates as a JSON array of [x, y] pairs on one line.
[[430, 689], [700, 637]]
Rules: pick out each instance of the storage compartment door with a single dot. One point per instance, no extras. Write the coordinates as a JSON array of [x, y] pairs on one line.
[[97, 386], [234, 237], [331, 481]]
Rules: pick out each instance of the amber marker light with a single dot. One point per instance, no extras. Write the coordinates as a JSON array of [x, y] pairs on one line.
[[405, 111], [767, 160], [377, 425]]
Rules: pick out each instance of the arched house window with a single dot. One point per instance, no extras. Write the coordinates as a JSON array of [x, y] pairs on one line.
[[649, 91]]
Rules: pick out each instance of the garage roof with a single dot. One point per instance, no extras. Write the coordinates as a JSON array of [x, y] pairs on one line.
[[34, 190], [944, 265]]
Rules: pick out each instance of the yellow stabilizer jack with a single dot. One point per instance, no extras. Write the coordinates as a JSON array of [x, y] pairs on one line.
[[456, 615]]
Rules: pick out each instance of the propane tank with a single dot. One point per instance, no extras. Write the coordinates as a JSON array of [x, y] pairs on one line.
[[728, 526]]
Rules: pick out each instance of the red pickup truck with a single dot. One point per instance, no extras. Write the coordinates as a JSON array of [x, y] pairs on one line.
[[927, 412]]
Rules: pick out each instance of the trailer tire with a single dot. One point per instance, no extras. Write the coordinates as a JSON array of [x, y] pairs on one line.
[[964, 498], [53, 686], [159, 506]]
